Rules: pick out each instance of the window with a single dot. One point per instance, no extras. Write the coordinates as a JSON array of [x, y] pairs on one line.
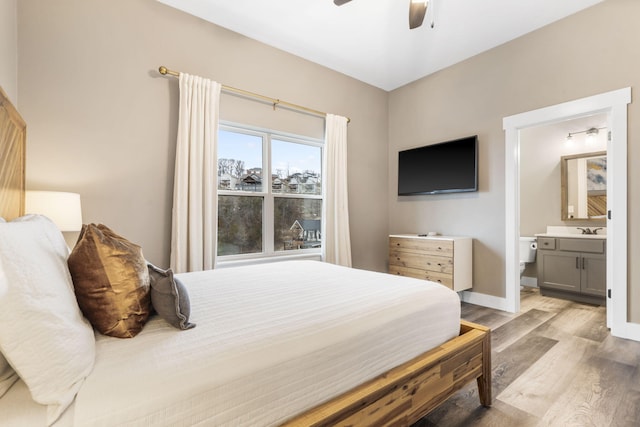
[[269, 193]]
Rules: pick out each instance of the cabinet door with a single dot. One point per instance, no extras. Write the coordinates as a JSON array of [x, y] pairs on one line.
[[594, 274], [560, 270]]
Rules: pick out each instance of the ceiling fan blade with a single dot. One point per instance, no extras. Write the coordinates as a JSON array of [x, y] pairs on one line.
[[417, 10], [340, 2]]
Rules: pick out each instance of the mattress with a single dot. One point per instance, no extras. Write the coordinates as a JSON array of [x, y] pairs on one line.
[[271, 341]]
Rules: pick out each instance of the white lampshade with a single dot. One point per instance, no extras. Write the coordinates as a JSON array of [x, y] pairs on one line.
[[62, 208]]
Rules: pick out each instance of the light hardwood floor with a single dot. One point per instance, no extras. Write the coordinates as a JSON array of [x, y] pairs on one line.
[[554, 364]]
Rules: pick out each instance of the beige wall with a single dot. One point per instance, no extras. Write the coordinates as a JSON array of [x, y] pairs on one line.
[[588, 53], [9, 49], [102, 121]]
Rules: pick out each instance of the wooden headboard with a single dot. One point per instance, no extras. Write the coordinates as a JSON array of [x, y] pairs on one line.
[[13, 139]]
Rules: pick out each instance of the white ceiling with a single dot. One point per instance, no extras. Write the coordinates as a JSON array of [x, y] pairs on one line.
[[370, 40]]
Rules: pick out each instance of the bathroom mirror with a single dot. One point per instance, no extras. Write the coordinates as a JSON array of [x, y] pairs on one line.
[[584, 186]]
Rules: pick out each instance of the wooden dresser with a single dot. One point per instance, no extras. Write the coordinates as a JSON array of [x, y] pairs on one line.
[[442, 259]]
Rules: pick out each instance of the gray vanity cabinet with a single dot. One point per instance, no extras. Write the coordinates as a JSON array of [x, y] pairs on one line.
[[572, 268]]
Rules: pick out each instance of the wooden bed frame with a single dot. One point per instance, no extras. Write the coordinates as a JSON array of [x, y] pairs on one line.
[[403, 395], [400, 396]]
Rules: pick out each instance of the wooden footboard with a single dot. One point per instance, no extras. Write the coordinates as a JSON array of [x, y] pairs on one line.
[[408, 392]]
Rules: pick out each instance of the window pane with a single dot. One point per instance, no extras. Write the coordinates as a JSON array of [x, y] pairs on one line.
[[239, 225], [239, 161], [295, 168], [297, 223]]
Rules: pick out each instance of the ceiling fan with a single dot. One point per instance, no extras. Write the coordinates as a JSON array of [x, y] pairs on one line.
[[417, 10]]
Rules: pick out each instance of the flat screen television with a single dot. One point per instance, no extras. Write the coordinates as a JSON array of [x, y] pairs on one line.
[[446, 167]]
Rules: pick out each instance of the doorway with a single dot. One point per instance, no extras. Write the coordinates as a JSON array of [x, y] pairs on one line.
[[549, 197], [614, 104]]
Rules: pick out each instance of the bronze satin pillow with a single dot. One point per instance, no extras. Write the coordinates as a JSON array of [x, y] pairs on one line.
[[111, 281]]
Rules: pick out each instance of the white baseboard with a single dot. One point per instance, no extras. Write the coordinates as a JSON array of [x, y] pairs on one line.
[[630, 331], [484, 300]]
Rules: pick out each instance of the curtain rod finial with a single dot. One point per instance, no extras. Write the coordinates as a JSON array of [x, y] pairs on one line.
[[162, 70]]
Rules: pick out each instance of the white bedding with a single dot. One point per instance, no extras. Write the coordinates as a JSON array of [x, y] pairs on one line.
[[271, 341]]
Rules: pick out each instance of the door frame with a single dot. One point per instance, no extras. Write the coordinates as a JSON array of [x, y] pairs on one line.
[[614, 104]]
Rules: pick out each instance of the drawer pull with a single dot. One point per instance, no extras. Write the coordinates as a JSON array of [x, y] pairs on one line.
[[578, 262]]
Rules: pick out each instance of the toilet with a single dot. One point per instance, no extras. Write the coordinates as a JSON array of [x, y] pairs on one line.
[[528, 246]]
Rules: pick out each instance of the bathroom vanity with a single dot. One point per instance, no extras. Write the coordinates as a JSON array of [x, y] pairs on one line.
[[573, 266]]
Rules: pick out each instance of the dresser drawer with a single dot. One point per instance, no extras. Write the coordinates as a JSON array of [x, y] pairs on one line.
[[424, 246], [420, 261], [434, 276]]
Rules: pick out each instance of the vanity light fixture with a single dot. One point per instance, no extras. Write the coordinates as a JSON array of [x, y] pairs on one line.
[[591, 133]]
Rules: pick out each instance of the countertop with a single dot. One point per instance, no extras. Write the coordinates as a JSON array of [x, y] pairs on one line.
[[573, 235], [573, 232]]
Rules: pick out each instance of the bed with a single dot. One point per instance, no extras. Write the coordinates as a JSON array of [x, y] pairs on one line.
[[298, 343]]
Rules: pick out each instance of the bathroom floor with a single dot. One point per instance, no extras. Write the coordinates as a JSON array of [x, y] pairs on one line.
[[554, 364]]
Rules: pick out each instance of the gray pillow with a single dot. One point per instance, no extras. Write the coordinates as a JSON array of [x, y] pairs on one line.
[[169, 297]]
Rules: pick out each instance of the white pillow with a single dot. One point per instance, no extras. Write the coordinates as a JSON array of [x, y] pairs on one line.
[[43, 334], [7, 375]]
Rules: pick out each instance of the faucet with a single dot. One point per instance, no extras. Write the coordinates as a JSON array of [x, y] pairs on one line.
[[587, 230]]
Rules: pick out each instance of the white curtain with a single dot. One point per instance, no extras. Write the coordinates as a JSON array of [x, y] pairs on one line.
[[195, 205], [337, 240]]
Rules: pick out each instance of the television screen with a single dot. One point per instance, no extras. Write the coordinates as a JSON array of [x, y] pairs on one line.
[[447, 167]]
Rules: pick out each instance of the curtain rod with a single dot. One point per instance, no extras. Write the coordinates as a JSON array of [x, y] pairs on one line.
[[275, 102]]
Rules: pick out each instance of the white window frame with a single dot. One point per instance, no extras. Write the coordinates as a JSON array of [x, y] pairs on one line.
[[269, 253]]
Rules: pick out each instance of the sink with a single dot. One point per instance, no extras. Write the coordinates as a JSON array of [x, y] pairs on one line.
[[572, 235], [573, 232]]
